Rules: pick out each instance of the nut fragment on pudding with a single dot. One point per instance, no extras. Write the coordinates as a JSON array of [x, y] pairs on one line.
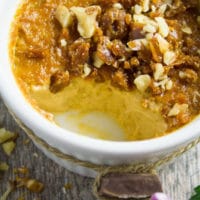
[[117, 70]]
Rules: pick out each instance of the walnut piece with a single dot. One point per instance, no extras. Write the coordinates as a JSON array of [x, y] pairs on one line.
[[163, 26], [8, 147], [5, 135], [86, 19], [3, 166], [142, 82], [169, 57], [177, 108], [64, 16], [159, 71], [97, 62]]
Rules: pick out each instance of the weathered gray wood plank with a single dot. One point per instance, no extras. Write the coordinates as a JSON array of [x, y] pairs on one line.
[[178, 177]]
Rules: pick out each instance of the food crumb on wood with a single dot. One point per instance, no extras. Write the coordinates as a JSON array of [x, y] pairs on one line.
[[7, 141], [8, 147], [6, 135], [22, 179], [3, 166], [68, 186], [35, 155], [34, 185]]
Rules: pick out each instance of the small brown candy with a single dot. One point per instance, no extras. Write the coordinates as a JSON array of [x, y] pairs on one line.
[[128, 185]]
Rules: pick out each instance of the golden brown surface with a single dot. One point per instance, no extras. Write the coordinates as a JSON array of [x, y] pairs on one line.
[[170, 71]]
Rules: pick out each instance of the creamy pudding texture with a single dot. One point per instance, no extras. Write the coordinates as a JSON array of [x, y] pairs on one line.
[[115, 70], [125, 108]]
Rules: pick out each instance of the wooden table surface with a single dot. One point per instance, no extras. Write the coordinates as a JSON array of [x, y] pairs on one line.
[[178, 177]]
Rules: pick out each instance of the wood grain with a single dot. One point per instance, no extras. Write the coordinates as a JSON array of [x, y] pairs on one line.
[[178, 177]]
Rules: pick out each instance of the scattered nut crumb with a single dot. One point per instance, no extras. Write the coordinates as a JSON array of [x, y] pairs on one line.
[[86, 19], [8, 147], [6, 135], [169, 57], [117, 5], [68, 186], [64, 16], [3, 166], [145, 5], [137, 9], [34, 185], [187, 30], [163, 26], [177, 108], [86, 70], [142, 82]]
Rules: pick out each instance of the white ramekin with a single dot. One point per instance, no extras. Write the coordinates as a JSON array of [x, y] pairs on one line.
[[81, 147]]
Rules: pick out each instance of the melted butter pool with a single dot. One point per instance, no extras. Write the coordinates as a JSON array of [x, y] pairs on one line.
[[101, 111]]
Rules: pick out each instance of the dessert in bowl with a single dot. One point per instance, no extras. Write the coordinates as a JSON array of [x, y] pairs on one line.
[[109, 82]]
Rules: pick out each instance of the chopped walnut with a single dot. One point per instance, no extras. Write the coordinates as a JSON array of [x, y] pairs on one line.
[[63, 43], [163, 26], [159, 71], [149, 28], [3, 166], [8, 147], [187, 30], [169, 85], [169, 57], [86, 70], [143, 19], [7, 140], [86, 19], [6, 135], [162, 9], [164, 83], [177, 108], [137, 9], [64, 16], [145, 5], [142, 82], [163, 44], [118, 6], [34, 185]]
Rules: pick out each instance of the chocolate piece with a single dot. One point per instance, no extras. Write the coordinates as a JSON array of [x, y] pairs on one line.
[[128, 185]]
